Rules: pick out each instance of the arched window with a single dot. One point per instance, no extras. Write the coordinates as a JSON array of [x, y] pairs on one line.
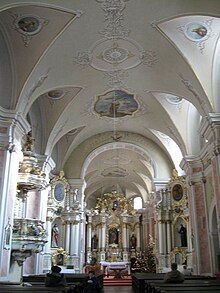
[[137, 203]]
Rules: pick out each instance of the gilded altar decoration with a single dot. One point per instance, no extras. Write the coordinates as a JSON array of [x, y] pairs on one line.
[[115, 203], [31, 175], [59, 187], [113, 217], [60, 257]]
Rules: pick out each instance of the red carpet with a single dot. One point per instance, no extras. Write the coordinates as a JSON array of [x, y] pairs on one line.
[[124, 281]]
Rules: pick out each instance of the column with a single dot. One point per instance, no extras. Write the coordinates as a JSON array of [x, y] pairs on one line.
[[160, 236], [89, 238], [168, 237], [137, 228], [48, 228], [76, 240], [100, 237], [89, 233], [124, 237], [103, 236], [72, 233], [67, 237], [78, 186], [12, 129]]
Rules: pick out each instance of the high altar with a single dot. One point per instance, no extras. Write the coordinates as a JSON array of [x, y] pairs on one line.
[[112, 225]]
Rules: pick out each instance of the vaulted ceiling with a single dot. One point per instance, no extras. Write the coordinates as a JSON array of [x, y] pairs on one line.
[[114, 90]]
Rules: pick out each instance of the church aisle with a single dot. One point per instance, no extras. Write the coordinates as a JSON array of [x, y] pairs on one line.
[[121, 289]]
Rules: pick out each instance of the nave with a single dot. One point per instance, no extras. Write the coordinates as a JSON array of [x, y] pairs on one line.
[[109, 136]]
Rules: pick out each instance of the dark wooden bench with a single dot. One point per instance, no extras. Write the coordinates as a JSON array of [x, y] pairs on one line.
[[189, 290], [140, 281], [36, 289], [187, 285], [149, 284], [72, 279]]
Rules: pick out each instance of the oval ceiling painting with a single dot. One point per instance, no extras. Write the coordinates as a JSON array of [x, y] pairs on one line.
[[115, 104]]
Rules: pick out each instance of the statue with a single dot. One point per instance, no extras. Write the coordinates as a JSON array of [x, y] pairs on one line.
[[133, 242], [94, 242], [182, 231], [55, 236]]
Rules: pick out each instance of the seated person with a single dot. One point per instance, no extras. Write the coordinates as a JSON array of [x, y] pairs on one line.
[[55, 278], [174, 276], [91, 284]]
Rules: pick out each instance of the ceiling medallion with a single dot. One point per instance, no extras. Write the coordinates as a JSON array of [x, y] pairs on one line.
[[56, 94], [28, 26], [198, 32], [173, 99], [108, 55], [115, 54]]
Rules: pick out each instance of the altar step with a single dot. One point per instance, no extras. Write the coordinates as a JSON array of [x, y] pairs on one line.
[[124, 281]]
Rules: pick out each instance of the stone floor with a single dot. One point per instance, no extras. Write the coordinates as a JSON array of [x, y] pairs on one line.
[[116, 289]]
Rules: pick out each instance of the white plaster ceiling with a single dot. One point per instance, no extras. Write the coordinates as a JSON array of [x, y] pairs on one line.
[[63, 61]]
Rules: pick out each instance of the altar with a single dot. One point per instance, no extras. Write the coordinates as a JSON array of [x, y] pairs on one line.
[[117, 267]]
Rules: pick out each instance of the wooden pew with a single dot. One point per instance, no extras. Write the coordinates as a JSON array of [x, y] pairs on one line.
[[189, 290], [187, 285], [72, 279], [150, 284], [36, 289], [138, 280]]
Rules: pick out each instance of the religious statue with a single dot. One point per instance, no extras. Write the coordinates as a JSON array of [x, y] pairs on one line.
[[183, 235], [55, 236], [94, 242], [133, 242]]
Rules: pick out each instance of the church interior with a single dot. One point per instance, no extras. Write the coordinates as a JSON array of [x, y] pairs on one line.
[[109, 136]]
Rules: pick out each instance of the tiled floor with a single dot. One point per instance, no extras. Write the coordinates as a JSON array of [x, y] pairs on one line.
[[116, 289]]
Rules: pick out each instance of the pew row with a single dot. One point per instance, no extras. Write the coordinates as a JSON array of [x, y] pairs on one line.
[[37, 284], [154, 283]]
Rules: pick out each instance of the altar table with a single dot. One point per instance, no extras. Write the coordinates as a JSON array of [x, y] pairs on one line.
[[117, 267]]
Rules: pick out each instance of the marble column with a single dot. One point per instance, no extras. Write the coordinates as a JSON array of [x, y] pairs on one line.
[[67, 237], [160, 236], [72, 239], [12, 129], [103, 236], [124, 237], [137, 229], [77, 187], [99, 237], [168, 237], [89, 234]]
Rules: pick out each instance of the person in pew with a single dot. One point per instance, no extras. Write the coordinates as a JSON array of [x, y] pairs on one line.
[[174, 276], [57, 279], [91, 284]]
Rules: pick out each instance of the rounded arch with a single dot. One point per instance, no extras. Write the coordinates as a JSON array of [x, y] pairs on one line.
[[119, 145]]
